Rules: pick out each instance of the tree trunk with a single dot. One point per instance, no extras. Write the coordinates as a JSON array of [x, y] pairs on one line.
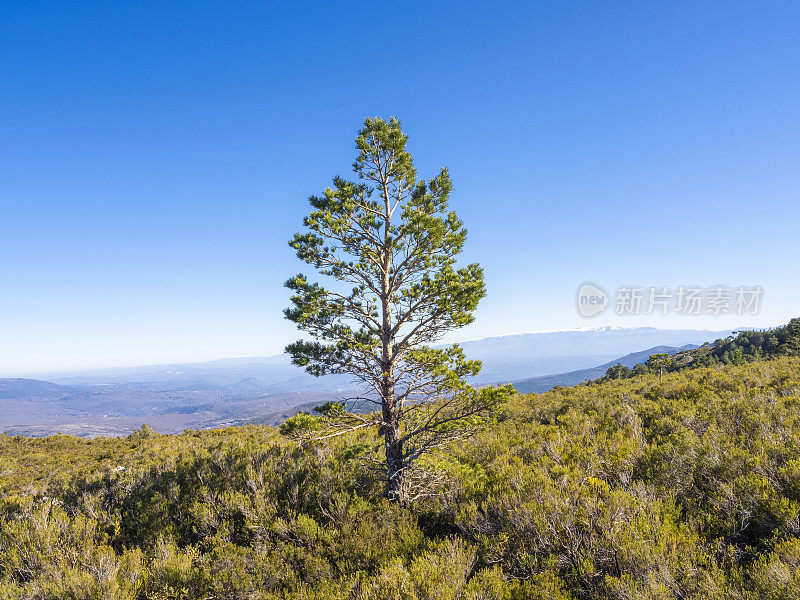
[[395, 488], [395, 485], [391, 420]]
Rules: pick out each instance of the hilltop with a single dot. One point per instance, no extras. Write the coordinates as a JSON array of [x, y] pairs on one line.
[[634, 488]]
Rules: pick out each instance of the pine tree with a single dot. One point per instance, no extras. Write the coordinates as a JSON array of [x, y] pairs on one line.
[[659, 362], [388, 242]]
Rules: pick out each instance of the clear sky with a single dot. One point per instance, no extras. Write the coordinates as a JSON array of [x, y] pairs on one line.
[[155, 158]]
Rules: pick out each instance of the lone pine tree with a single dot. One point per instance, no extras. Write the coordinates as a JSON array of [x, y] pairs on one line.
[[659, 362], [387, 242]]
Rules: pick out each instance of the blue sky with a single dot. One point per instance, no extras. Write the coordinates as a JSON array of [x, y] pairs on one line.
[[157, 156]]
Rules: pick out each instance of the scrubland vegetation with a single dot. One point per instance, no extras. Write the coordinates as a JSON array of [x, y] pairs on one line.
[[686, 487]]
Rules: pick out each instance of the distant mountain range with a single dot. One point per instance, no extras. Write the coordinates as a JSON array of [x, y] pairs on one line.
[[514, 357], [505, 358], [265, 389], [266, 375]]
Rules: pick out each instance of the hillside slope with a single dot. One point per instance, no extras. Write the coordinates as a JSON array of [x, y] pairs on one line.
[[12, 389], [537, 385], [637, 488]]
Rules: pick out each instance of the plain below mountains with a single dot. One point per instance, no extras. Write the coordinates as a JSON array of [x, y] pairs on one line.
[[233, 391]]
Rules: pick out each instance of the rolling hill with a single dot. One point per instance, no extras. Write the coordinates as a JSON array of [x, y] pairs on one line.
[[17, 388], [607, 492], [538, 385]]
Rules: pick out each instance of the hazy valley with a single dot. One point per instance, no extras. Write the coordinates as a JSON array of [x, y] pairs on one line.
[[266, 390]]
